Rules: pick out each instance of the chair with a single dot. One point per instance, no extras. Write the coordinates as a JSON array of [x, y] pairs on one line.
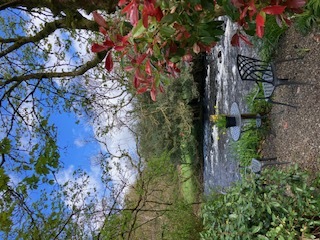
[[258, 164], [251, 69]]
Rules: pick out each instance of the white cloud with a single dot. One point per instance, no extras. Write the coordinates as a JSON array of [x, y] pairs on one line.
[[79, 142], [79, 186], [109, 93]]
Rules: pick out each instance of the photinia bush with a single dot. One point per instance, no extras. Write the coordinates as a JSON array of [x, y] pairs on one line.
[[251, 14], [157, 36]]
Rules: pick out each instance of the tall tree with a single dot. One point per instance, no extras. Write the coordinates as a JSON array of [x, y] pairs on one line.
[[46, 67]]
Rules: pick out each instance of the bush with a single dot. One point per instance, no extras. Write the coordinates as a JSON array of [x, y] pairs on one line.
[[310, 17], [276, 205]]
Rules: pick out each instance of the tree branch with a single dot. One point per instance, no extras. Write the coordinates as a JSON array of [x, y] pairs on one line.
[[45, 32], [77, 72], [78, 22], [9, 4]]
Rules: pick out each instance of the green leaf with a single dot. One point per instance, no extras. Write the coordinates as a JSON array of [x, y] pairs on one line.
[[156, 50], [26, 167], [175, 59], [138, 29], [4, 179], [275, 204], [233, 216], [207, 5], [207, 40], [269, 209], [170, 18], [32, 181], [51, 182], [5, 146], [167, 31], [256, 229]]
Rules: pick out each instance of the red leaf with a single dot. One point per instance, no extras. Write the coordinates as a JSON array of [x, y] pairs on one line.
[[122, 2], [132, 12], [159, 14], [136, 82], [103, 30], [153, 94], [260, 20], [295, 3], [235, 40], [252, 7], [140, 58], [119, 48], [244, 13], [109, 62], [129, 68], [108, 43], [150, 10], [274, 10], [186, 34], [187, 57], [138, 75], [259, 31], [161, 88], [123, 39], [198, 7], [148, 68], [245, 39], [127, 8], [145, 18], [99, 19], [142, 90], [98, 48], [237, 3]]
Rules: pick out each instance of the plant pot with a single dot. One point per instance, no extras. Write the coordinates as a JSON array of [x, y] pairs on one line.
[[231, 121]]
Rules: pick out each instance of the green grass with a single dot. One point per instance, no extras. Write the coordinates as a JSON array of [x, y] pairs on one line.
[[191, 168], [187, 177], [310, 18], [250, 142]]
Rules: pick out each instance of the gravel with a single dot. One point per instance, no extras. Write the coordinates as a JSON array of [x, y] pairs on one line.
[[295, 133]]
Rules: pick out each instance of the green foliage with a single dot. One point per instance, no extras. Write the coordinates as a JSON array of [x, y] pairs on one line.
[[276, 205], [248, 145], [268, 44], [163, 125], [156, 196], [182, 224], [230, 9], [5, 146], [116, 225], [310, 17], [161, 36]]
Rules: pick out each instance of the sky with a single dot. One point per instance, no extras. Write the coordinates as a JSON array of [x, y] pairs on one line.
[[77, 147], [75, 140]]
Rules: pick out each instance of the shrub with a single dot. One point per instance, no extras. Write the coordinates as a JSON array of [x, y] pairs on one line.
[[276, 205]]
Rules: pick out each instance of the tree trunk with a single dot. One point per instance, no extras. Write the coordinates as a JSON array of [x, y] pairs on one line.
[[56, 6]]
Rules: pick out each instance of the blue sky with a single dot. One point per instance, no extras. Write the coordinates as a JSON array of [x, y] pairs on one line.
[[76, 141], [70, 134], [76, 138]]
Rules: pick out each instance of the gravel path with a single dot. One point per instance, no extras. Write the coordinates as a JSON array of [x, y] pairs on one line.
[[296, 132]]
